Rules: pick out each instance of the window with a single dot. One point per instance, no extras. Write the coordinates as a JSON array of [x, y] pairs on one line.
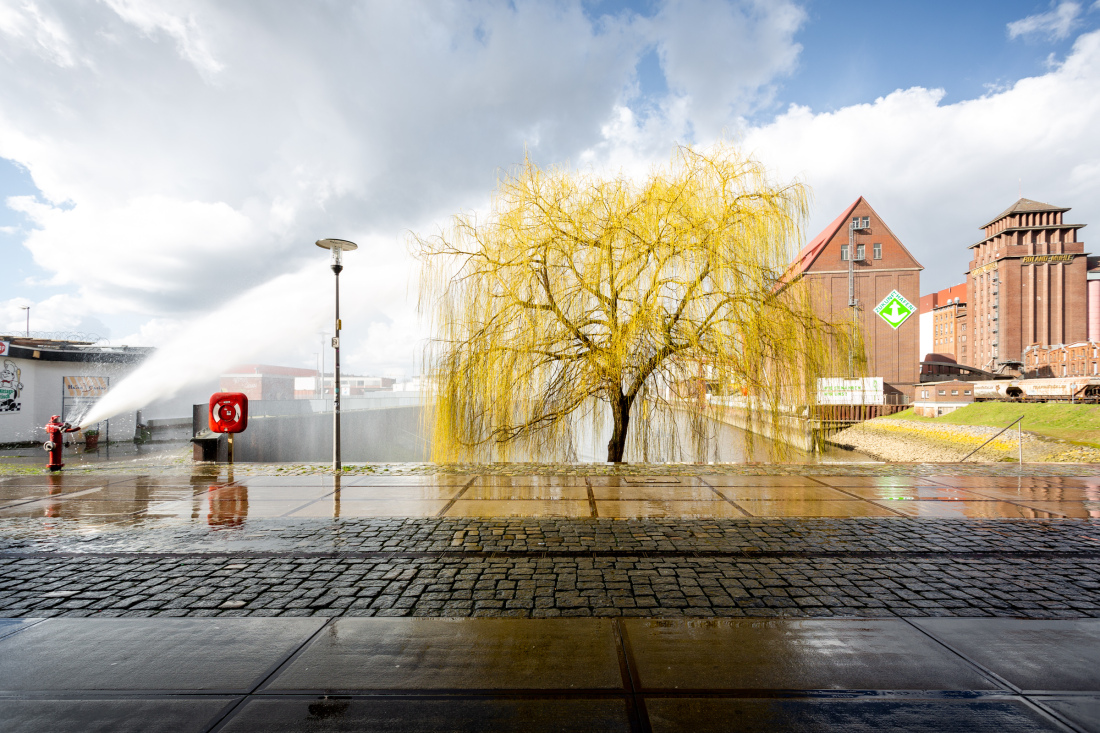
[[861, 253], [878, 250], [866, 222], [844, 252], [966, 391], [954, 391], [924, 393], [943, 391]]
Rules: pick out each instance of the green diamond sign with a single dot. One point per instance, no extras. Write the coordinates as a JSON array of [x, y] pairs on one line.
[[894, 309]]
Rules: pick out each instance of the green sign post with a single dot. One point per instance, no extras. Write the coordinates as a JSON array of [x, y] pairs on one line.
[[895, 309]]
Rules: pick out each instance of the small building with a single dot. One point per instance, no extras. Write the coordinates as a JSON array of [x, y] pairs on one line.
[[1062, 360], [44, 377], [940, 398]]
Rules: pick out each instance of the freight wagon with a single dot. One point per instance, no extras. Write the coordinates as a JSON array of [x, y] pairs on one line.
[[1055, 389]]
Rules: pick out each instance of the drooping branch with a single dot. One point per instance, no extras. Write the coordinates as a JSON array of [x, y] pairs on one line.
[[576, 290]]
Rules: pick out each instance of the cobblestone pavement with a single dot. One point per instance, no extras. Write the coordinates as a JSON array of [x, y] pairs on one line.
[[446, 567], [106, 545]]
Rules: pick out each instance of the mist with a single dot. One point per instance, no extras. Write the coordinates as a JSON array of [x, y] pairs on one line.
[[288, 308]]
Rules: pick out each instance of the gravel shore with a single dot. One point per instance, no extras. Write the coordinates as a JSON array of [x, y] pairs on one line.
[[909, 441]]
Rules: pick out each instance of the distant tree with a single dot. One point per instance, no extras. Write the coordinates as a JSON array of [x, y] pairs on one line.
[[578, 290]]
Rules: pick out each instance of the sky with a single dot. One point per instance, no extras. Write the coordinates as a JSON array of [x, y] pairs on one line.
[[166, 167]]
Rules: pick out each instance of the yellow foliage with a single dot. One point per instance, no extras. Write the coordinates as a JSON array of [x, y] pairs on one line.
[[579, 290]]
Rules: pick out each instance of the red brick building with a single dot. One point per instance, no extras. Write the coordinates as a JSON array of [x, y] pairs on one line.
[[1073, 360], [881, 265], [263, 381], [939, 334], [1026, 285]]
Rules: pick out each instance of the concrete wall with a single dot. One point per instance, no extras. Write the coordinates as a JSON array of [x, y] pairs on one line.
[[382, 435]]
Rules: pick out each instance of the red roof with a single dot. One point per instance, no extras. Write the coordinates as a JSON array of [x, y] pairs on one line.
[[809, 253]]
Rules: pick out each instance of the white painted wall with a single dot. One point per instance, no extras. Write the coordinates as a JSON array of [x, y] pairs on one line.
[[927, 334], [41, 397]]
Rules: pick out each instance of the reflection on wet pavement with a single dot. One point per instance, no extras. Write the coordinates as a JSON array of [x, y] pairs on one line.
[[968, 510], [536, 676], [220, 501]]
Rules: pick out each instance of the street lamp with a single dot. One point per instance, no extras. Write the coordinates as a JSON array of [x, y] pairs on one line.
[[338, 246]]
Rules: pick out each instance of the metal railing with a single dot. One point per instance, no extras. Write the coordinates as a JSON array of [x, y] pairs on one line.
[[1020, 431]]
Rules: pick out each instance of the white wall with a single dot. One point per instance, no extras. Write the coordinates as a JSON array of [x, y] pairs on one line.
[[41, 397], [927, 334]]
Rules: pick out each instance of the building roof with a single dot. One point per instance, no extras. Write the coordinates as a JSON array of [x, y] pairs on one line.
[[43, 349], [808, 254], [1023, 206]]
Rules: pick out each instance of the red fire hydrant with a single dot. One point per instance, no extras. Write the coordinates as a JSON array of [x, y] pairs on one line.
[[56, 430]]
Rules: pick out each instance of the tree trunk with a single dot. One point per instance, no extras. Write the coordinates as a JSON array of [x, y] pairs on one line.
[[620, 415]]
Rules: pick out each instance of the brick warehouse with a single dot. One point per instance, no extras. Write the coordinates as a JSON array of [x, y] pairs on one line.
[[1026, 285], [943, 323], [882, 264]]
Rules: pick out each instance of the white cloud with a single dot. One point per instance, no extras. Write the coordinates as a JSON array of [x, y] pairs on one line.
[[185, 158], [936, 172], [28, 28], [724, 58], [1054, 25], [150, 17], [189, 153]]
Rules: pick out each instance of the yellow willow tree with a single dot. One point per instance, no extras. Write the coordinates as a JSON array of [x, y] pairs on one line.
[[578, 290]]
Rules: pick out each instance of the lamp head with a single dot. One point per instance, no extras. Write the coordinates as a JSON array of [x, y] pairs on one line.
[[338, 246]]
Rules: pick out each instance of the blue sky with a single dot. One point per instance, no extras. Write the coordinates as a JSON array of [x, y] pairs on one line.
[[173, 157]]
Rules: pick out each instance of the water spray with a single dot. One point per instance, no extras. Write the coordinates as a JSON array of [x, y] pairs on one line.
[[246, 326]]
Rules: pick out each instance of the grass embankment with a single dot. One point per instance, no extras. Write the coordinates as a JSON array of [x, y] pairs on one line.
[[1076, 423]]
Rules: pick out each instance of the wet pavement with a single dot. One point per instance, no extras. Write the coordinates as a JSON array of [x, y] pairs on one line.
[[556, 674], [765, 598]]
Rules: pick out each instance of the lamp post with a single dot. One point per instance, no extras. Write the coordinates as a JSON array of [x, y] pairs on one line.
[[337, 246]]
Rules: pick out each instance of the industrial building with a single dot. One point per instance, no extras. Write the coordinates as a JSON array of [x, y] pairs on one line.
[[861, 269], [1026, 285], [943, 324], [1069, 360]]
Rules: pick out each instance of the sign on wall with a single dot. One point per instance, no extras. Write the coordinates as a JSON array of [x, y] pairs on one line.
[[840, 391], [11, 386], [894, 309], [78, 394]]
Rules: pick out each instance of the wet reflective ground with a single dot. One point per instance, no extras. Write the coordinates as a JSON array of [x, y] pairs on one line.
[[550, 675], [937, 598], [223, 500]]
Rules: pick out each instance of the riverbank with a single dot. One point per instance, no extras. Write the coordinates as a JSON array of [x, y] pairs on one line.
[[1061, 421], [901, 439]]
